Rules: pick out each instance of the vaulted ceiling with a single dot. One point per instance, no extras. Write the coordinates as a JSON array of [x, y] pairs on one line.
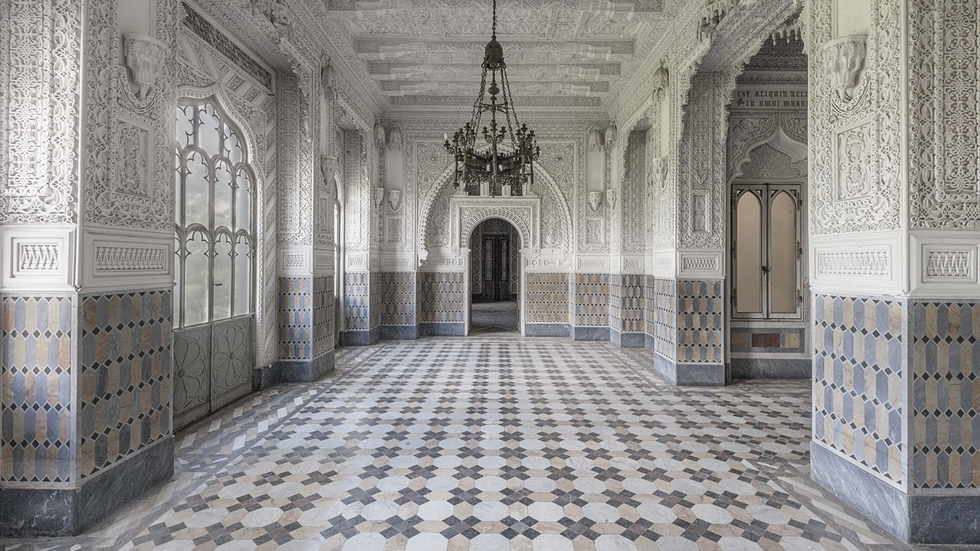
[[426, 54]]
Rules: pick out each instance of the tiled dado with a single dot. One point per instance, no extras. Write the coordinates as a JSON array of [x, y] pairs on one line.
[[700, 322], [441, 297], [946, 395], [546, 298], [626, 293], [859, 395], [125, 376], [398, 298], [590, 300], [36, 399], [357, 300], [663, 317], [323, 315], [295, 318]]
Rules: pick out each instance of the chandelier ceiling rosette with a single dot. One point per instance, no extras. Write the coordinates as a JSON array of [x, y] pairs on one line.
[[504, 159]]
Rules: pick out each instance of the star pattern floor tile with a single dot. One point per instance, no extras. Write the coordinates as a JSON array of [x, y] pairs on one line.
[[494, 443]]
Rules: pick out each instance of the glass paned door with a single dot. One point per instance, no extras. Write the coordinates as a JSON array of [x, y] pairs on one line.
[[767, 252], [214, 314]]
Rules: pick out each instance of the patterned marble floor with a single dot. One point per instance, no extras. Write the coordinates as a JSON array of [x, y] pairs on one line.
[[491, 443]]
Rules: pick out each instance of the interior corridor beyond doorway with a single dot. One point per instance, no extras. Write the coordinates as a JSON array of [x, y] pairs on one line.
[[493, 443]]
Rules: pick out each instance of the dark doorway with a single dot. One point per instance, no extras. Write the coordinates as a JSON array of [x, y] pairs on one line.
[[495, 276]]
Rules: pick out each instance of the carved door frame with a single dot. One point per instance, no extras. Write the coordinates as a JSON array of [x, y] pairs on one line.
[[466, 213]]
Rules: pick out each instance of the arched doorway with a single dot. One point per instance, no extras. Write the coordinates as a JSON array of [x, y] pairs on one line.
[[495, 274]]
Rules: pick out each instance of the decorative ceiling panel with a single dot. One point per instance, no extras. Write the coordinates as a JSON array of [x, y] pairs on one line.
[[560, 53]]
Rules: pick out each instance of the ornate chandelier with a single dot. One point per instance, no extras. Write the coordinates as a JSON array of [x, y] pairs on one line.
[[505, 161]]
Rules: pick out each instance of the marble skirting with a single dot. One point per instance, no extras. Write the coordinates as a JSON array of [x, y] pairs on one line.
[[590, 333], [442, 329], [627, 340], [69, 511], [689, 374], [771, 368], [546, 329], [362, 338], [922, 519], [399, 332], [296, 371]]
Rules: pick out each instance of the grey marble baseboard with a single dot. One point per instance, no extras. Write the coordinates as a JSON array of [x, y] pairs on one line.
[[442, 329], [399, 332], [590, 333], [772, 368], [923, 519], [650, 342], [547, 330], [630, 340], [885, 505], [362, 338], [68, 512], [688, 374], [304, 371]]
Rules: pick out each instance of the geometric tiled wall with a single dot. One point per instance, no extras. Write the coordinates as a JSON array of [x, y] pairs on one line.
[[946, 395], [357, 300], [35, 414], [590, 300], [295, 318], [546, 298], [125, 376], [440, 297], [859, 393], [700, 322], [323, 315], [398, 298], [631, 304], [615, 302], [664, 317]]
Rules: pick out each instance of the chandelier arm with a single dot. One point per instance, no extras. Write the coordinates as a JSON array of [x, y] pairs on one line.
[[508, 99]]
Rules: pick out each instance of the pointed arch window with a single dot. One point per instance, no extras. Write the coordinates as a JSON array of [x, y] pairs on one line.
[[214, 219]]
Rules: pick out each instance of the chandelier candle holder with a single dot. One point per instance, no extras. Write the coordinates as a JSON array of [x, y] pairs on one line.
[[503, 164]]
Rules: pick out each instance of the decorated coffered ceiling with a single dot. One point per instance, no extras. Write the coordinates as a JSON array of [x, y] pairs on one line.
[[560, 53], [426, 53]]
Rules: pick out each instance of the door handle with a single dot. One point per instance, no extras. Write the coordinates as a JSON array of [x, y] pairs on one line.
[[765, 269]]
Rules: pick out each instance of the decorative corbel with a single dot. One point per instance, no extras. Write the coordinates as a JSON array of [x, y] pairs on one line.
[[595, 199], [660, 84], [395, 138], [379, 136], [379, 196], [611, 136], [843, 61], [595, 139], [611, 198], [394, 198], [144, 58]]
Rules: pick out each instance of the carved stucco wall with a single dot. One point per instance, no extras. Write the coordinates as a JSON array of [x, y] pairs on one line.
[[39, 114], [857, 187], [944, 149], [556, 182], [244, 92]]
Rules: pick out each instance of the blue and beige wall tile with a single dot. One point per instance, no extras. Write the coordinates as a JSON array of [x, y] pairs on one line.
[[631, 304], [946, 395], [357, 300], [441, 297], [125, 376], [590, 300], [546, 298], [665, 317], [859, 387], [615, 302], [295, 318], [36, 416], [398, 298], [323, 315], [700, 322]]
